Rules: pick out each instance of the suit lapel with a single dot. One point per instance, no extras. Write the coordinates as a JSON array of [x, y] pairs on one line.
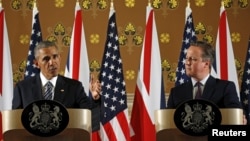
[[37, 88], [189, 90], [59, 89], [209, 88]]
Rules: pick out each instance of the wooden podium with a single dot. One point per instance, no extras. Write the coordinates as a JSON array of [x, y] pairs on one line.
[[78, 129], [167, 131]]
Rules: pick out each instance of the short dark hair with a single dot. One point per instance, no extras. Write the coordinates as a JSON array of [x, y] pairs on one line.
[[43, 44], [208, 52]]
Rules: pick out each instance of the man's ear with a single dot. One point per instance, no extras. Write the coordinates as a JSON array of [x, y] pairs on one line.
[[207, 63], [35, 62]]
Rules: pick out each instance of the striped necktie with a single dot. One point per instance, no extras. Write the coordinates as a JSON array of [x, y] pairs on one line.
[[199, 91], [48, 91]]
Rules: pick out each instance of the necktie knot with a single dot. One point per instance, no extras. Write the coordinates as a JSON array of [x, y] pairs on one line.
[[198, 84], [199, 91], [48, 90]]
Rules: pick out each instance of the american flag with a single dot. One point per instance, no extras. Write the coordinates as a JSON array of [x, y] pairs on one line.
[[114, 110], [188, 36], [245, 86], [36, 37]]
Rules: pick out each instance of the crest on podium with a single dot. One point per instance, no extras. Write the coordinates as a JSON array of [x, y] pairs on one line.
[[45, 118], [194, 117]]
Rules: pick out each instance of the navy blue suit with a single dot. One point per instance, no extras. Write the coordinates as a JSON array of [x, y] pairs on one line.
[[67, 91], [220, 92]]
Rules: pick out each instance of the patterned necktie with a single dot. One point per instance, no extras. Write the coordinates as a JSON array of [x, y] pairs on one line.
[[199, 92], [48, 91]]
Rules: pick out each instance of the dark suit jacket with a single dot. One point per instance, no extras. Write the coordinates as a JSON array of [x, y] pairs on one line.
[[68, 92], [220, 92]]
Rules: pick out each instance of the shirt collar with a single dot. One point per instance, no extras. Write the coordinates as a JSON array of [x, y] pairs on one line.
[[44, 80], [203, 81]]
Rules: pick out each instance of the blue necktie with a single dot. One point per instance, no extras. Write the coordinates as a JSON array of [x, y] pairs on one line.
[[199, 92], [48, 91]]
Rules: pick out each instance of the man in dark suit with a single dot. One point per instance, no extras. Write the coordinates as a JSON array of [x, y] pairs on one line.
[[198, 64], [67, 91]]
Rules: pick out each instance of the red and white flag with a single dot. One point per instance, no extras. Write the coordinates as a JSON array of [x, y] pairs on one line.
[[6, 75], [77, 66], [225, 63], [148, 91]]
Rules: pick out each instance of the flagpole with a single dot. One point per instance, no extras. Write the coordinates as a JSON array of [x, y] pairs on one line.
[[36, 37], [0, 3], [188, 3], [114, 125], [222, 4], [149, 3], [112, 5], [34, 4]]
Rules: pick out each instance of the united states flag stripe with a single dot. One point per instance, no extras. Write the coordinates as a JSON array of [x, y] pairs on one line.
[[188, 36], [36, 37], [114, 113], [245, 85]]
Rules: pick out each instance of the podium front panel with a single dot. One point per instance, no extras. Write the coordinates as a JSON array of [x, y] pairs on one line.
[[166, 129], [79, 127]]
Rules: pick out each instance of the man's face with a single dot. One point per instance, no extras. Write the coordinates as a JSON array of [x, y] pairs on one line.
[[194, 65], [48, 61]]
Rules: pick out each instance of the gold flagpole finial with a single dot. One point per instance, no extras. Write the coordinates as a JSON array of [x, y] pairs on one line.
[[188, 3], [222, 3], [34, 4], [111, 5], [0, 3], [149, 3]]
